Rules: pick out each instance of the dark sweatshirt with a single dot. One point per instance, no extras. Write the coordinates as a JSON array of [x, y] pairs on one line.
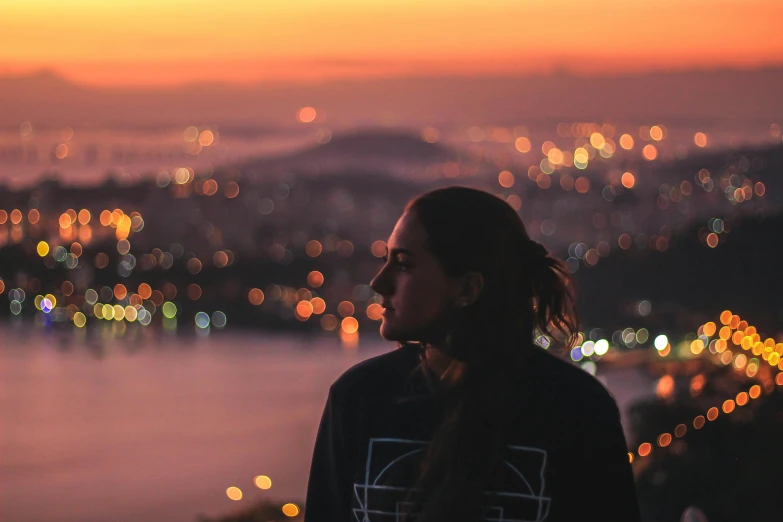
[[566, 457]]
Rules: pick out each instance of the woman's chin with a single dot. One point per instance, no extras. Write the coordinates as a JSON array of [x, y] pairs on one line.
[[389, 332]]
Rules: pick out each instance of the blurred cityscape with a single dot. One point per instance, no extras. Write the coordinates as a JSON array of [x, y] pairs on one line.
[[645, 216], [668, 239]]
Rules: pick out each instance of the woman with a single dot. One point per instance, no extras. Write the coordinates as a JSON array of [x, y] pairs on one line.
[[469, 419]]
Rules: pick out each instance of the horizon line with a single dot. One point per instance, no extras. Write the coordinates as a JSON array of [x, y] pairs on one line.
[[554, 71]]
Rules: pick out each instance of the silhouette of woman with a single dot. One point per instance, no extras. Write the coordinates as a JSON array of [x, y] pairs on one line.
[[470, 419]]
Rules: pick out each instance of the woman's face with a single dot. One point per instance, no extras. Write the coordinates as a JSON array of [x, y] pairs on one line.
[[416, 293]]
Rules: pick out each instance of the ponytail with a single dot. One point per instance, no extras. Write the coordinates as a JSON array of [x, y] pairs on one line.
[[554, 296]]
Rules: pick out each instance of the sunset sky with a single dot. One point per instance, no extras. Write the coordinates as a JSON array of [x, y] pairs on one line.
[[164, 42]]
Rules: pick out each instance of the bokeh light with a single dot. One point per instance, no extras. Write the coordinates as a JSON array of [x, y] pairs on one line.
[[306, 114], [234, 493], [290, 510], [262, 482]]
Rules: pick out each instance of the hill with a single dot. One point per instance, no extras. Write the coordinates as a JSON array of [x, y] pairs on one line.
[[691, 283]]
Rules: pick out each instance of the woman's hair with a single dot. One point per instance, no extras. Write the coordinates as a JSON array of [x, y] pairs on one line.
[[525, 291]]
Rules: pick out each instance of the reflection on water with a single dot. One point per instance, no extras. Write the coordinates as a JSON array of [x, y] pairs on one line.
[[158, 432], [109, 430]]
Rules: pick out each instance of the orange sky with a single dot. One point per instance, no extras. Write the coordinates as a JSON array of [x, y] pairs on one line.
[[163, 42]]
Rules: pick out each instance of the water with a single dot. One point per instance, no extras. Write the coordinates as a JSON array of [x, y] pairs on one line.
[[129, 153], [159, 431]]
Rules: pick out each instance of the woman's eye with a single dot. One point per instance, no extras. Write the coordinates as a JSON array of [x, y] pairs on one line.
[[401, 264]]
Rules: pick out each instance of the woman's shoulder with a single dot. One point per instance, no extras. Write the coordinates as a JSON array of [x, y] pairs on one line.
[[563, 381], [378, 372]]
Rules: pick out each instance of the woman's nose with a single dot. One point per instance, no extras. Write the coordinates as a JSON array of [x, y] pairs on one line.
[[380, 283]]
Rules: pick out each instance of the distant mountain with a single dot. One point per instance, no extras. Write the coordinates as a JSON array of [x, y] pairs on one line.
[[713, 95], [384, 144], [42, 83], [384, 150]]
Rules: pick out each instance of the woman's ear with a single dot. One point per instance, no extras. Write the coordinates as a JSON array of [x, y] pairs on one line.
[[471, 285]]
